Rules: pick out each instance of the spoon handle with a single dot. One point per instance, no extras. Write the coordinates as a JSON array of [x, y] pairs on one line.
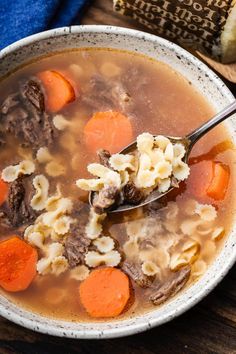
[[194, 136]]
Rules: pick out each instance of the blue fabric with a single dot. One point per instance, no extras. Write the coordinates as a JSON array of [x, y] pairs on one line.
[[21, 18]]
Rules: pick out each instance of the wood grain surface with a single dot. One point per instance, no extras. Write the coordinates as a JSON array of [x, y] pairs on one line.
[[210, 327]]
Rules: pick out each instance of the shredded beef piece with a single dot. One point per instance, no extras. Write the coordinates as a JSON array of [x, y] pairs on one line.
[[135, 272], [104, 156], [2, 139], [10, 102], [76, 245], [105, 198], [153, 208], [132, 194], [18, 209], [5, 223], [32, 91], [174, 182], [36, 128], [170, 288], [106, 94]]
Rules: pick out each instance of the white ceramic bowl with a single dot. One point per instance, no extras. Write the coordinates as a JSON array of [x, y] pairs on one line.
[[207, 83]]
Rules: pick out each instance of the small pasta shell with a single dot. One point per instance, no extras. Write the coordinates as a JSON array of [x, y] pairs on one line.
[[79, 273], [172, 210], [177, 262], [156, 156], [36, 239], [209, 250], [131, 249], [162, 142], [68, 142], [27, 167], [188, 226], [109, 69], [145, 142], [90, 184], [60, 122], [112, 258], [218, 233], [164, 185], [43, 155], [180, 170], [163, 169], [179, 150], [55, 295], [145, 179], [98, 170], [169, 152], [55, 169], [59, 265], [44, 266], [93, 259], [120, 162], [94, 227], [189, 207], [41, 184], [62, 225], [11, 173], [199, 268], [145, 162], [149, 268], [104, 244], [206, 212]]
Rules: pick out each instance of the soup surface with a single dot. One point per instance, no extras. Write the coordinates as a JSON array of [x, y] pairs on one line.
[[162, 247]]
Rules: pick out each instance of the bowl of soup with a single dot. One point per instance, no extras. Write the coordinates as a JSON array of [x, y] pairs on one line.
[[71, 99]]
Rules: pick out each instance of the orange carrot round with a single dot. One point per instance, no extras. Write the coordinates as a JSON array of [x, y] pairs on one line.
[[208, 179], [59, 90], [17, 264], [108, 130], [3, 191], [219, 182], [105, 292]]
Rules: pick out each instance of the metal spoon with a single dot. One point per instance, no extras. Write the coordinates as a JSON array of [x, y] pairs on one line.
[[188, 141]]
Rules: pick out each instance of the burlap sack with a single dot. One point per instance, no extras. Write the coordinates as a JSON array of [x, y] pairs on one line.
[[208, 26]]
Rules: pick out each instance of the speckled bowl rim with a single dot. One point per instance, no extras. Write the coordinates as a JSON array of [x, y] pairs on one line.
[[177, 305]]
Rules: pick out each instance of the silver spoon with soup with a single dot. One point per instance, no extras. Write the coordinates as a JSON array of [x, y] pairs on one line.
[[143, 188]]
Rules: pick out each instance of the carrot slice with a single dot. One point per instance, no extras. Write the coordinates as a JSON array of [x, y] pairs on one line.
[[17, 264], [105, 292], [199, 180], [3, 191], [208, 179], [108, 130], [58, 90], [220, 180]]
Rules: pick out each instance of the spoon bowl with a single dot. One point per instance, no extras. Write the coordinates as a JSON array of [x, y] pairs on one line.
[[188, 142]]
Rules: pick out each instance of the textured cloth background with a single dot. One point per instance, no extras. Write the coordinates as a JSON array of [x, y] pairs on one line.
[[21, 18]]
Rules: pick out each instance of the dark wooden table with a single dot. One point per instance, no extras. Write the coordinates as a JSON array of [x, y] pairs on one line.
[[210, 327]]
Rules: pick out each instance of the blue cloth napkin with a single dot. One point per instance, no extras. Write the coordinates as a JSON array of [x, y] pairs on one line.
[[21, 18]]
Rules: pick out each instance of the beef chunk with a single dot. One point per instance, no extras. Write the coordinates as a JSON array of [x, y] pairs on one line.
[[105, 198], [106, 94], [5, 223], [31, 90], [2, 139], [174, 182], [18, 209], [134, 271], [36, 128], [132, 194], [170, 288], [10, 102], [104, 156], [76, 245]]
